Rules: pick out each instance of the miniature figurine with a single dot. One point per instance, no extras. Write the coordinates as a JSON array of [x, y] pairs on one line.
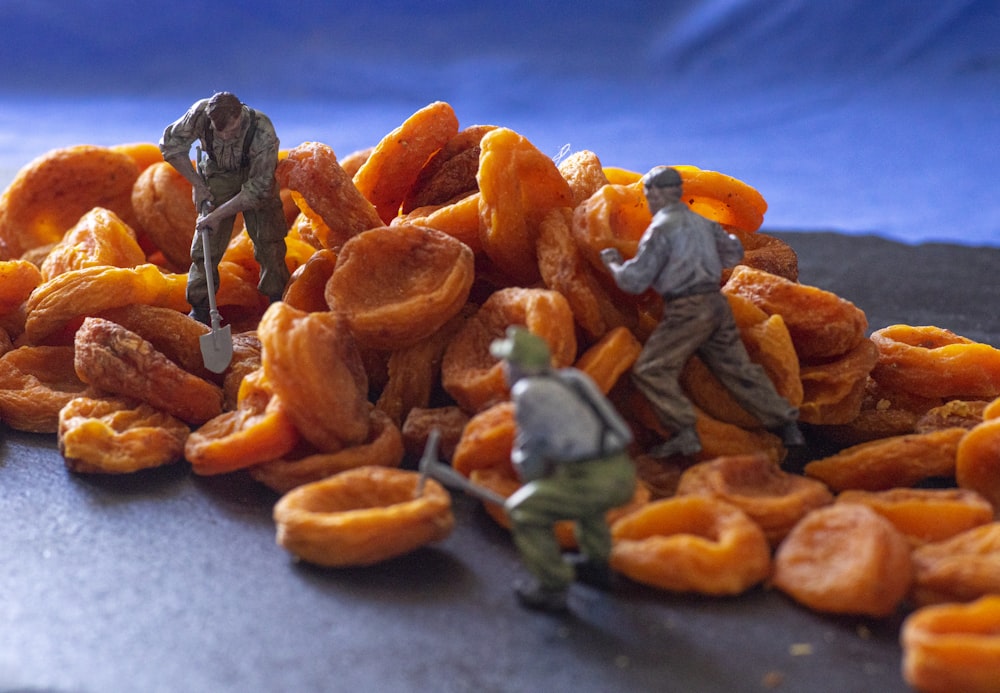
[[681, 256], [236, 176], [570, 453]]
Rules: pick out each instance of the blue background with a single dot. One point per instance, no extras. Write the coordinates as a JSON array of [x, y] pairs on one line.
[[855, 116]]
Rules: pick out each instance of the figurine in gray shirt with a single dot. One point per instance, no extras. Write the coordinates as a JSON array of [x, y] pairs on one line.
[[681, 256], [570, 453], [236, 176]]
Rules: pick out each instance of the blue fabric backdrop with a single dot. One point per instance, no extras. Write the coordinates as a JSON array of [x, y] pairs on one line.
[[852, 116]]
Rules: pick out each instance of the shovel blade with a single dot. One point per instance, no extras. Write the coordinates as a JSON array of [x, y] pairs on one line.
[[217, 349]]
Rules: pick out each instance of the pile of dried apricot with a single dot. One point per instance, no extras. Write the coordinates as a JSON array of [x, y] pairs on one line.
[[407, 260]]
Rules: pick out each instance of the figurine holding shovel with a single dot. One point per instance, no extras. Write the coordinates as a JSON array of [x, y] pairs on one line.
[[235, 176]]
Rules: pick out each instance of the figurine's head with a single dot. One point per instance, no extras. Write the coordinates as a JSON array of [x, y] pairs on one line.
[[524, 352], [662, 186], [224, 109]]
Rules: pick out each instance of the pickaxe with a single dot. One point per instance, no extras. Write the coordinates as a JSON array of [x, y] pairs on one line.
[[430, 466]]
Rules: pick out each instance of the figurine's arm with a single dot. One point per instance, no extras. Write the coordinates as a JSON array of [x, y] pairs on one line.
[[638, 274], [729, 247], [175, 145]]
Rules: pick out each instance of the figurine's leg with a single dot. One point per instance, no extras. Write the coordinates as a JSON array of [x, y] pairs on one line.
[[656, 372], [725, 355], [267, 228], [197, 286]]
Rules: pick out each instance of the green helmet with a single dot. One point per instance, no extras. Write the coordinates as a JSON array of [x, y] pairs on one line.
[[522, 348]]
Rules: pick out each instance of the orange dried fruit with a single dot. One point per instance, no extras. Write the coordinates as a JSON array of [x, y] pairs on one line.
[[118, 436], [307, 286], [35, 383], [384, 448], [584, 173], [397, 285], [144, 154], [394, 165], [834, 392], [164, 206], [773, 498], [448, 421], [312, 362], [954, 413], [615, 216], [487, 440], [325, 193], [822, 324], [959, 569], [610, 358], [977, 461], [845, 559], [460, 220], [518, 185], [18, 278], [722, 198], [888, 462], [691, 544], [450, 173], [258, 430], [50, 194], [100, 237], [935, 362], [362, 516], [471, 375], [90, 290], [925, 515], [176, 335], [115, 360], [953, 647]]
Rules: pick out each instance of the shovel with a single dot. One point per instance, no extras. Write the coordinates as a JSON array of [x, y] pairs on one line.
[[217, 345]]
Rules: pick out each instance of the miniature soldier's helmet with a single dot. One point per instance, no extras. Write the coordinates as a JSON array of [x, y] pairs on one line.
[[662, 177], [523, 349]]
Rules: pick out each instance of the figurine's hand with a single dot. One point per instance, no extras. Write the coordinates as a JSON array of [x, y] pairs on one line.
[[207, 222], [611, 256], [202, 198]]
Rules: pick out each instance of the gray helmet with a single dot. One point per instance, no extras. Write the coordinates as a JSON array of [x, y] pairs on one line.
[[662, 177]]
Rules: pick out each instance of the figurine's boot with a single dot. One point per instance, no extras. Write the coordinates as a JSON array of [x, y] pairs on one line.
[[684, 442], [535, 596], [790, 434], [594, 573]]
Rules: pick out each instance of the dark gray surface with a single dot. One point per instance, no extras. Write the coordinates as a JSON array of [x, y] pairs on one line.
[[163, 581]]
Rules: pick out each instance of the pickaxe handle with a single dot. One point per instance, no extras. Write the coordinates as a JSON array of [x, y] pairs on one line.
[[430, 466]]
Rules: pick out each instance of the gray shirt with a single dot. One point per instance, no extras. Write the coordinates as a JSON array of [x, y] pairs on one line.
[[681, 253]]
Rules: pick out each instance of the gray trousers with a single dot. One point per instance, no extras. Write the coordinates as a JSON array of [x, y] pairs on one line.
[[267, 229], [703, 324], [579, 491]]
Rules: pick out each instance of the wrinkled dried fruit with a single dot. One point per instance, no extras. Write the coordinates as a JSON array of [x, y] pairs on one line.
[[313, 364], [397, 285], [471, 375], [925, 514], [176, 335], [450, 173], [118, 436], [584, 173], [774, 499], [610, 358], [394, 165], [99, 238], [845, 559], [487, 441], [722, 198], [460, 220], [691, 544], [822, 324], [35, 383], [888, 462], [959, 569], [953, 647], [977, 461], [325, 193], [163, 203], [834, 392], [118, 361], [615, 216], [18, 278], [50, 194], [448, 421], [307, 286], [362, 516], [935, 362]]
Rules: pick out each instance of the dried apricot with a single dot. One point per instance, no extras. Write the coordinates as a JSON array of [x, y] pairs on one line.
[[953, 647], [959, 569], [460, 220], [888, 462], [722, 198], [100, 237], [118, 436], [518, 185], [324, 191], [935, 362], [610, 358], [584, 173], [822, 324], [313, 364], [18, 278], [691, 544], [450, 173], [394, 165], [471, 375], [163, 204], [833, 392], [50, 194], [846, 559], [771, 497], [307, 286], [977, 461], [35, 383], [397, 285], [487, 440], [448, 421], [362, 516], [615, 216], [115, 360], [925, 514]]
